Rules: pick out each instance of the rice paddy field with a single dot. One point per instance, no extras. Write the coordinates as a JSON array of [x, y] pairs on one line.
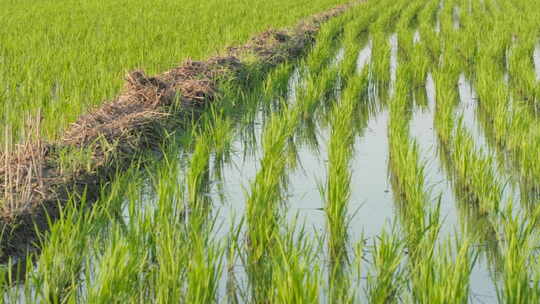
[[396, 162]]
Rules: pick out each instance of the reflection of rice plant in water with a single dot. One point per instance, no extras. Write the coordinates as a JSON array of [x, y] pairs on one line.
[[256, 199]]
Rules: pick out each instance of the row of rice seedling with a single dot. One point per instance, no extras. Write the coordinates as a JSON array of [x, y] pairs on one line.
[[488, 184], [514, 130], [266, 240], [265, 197], [382, 50], [506, 102], [320, 82], [427, 20], [264, 202], [437, 270], [433, 264], [337, 191]]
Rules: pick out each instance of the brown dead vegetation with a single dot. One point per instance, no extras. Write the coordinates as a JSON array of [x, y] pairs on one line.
[[34, 187]]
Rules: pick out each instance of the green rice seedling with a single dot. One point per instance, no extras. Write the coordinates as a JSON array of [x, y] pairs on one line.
[[520, 284], [320, 73], [386, 20], [126, 255], [62, 260], [381, 59], [263, 202], [158, 230], [327, 42], [327, 86], [315, 91], [447, 98], [420, 224], [477, 171], [407, 46], [233, 254], [170, 238], [381, 49], [356, 34], [204, 266], [477, 226], [198, 176], [468, 15], [337, 190], [203, 270], [184, 248], [63, 255], [381, 45], [456, 12], [348, 27], [353, 39], [345, 80], [407, 22], [407, 177], [266, 192], [385, 278], [477, 190], [297, 276], [277, 82], [163, 235], [360, 255], [172, 255], [494, 90], [419, 65], [444, 275], [446, 18], [521, 64], [161, 244], [495, 102], [221, 135], [419, 221], [428, 35], [213, 140], [411, 198]]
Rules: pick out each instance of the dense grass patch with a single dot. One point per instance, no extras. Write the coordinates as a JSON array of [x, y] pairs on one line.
[[64, 57]]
